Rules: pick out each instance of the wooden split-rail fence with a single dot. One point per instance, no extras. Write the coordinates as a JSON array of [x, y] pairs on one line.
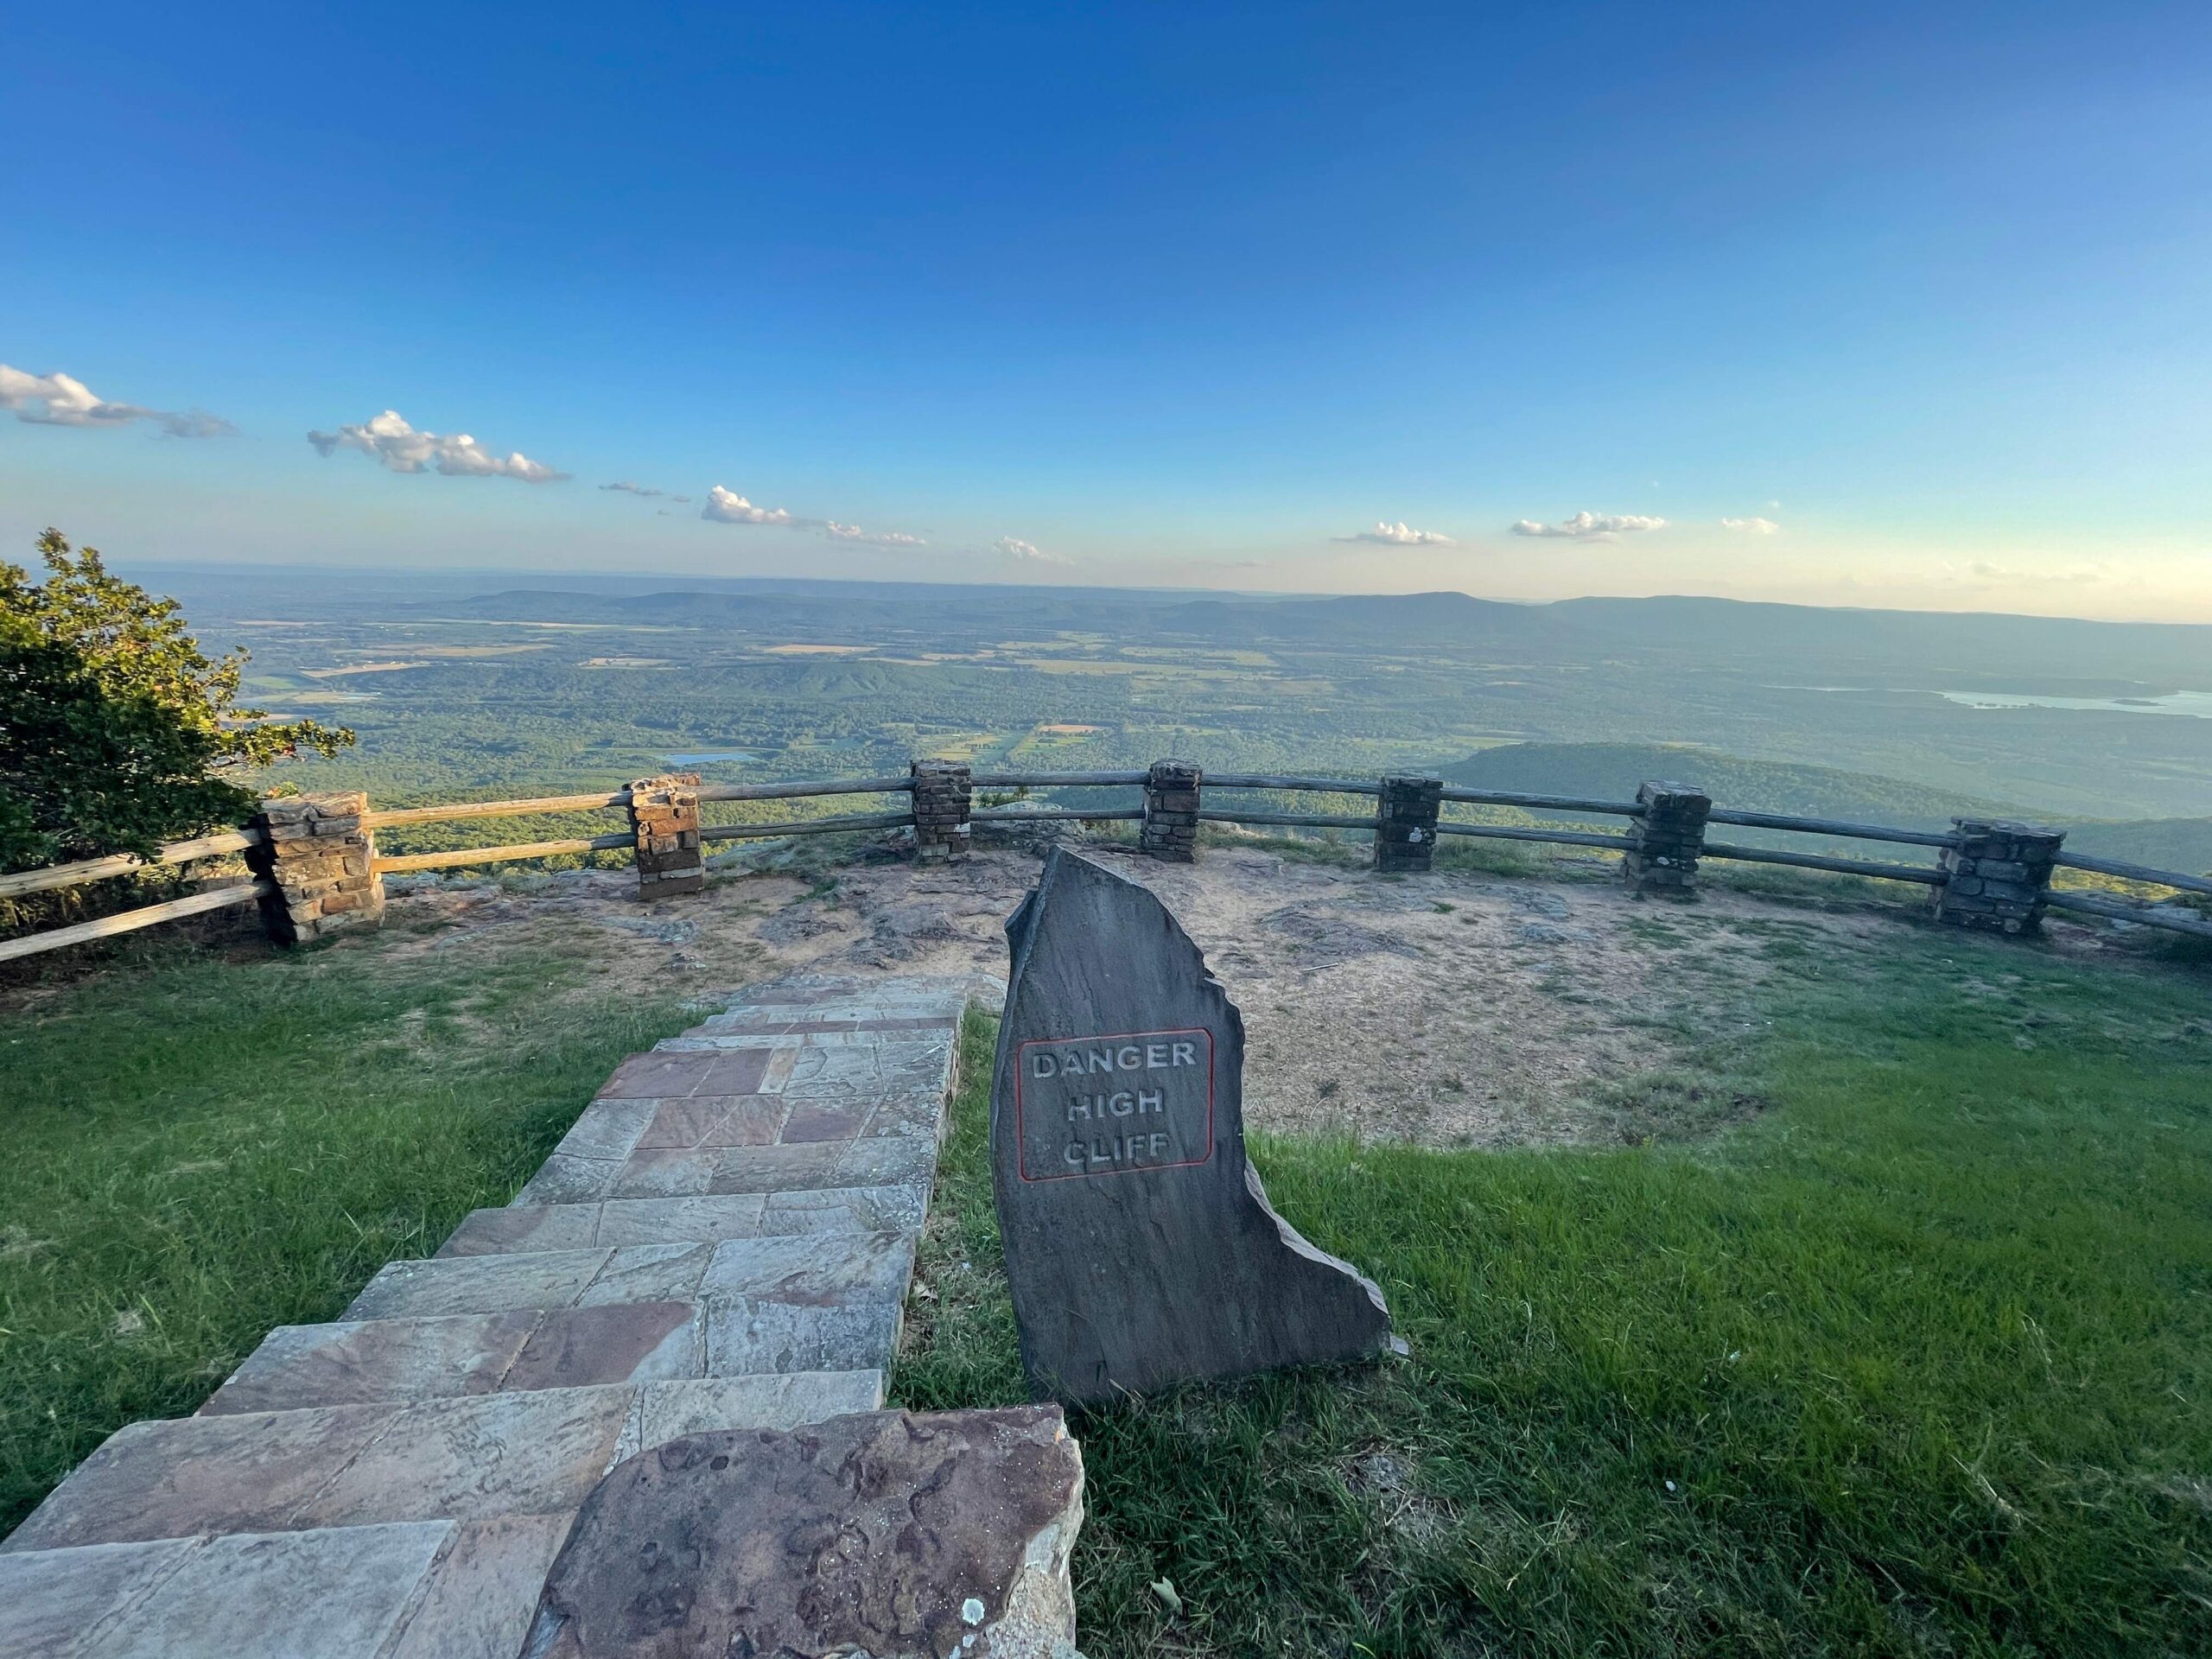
[[315, 869]]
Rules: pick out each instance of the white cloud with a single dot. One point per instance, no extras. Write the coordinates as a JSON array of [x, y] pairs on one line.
[[728, 507], [1400, 535], [1751, 527], [400, 448], [884, 538], [628, 488], [1027, 552], [1591, 527], [1985, 572], [59, 399]]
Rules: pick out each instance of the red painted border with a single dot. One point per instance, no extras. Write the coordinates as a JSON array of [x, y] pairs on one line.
[[1020, 1126]]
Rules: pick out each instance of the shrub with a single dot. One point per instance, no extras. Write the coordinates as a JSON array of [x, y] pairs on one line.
[[117, 730]]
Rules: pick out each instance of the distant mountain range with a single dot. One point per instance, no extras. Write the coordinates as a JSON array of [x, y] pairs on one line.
[[1838, 706], [1848, 647], [1942, 650]]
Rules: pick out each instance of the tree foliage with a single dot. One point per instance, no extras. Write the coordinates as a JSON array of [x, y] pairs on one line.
[[117, 731]]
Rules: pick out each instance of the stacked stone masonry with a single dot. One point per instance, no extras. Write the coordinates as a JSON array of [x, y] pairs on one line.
[[1666, 839], [722, 1241], [1997, 876], [1405, 823], [942, 797], [1171, 811], [323, 863], [664, 817]]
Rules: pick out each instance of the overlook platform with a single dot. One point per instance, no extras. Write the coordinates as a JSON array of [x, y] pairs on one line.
[[721, 1243]]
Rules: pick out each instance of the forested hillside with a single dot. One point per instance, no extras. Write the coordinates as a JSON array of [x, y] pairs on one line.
[[1612, 769], [508, 685]]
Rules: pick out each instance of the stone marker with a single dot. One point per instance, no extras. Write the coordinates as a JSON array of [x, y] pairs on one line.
[[1141, 1248], [887, 1534]]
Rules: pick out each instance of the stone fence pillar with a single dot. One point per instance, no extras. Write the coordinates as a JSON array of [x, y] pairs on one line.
[[1405, 823], [664, 817], [943, 795], [323, 861], [1171, 811], [1997, 876], [1665, 841]]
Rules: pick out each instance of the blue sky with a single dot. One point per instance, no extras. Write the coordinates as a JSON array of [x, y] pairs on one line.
[[1914, 294]]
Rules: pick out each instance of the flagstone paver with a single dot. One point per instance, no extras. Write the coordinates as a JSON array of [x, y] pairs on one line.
[[662, 1411], [357, 1362], [562, 1179], [478, 1284], [481, 1590], [335, 1591], [58, 1599], [746, 1334], [722, 1241], [812, 1269], [246, 1471], [489, 1454], [631, 1342], [845, 1210]]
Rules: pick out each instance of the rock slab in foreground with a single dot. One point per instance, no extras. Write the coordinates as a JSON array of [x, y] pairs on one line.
[[887, 1533], [1141, 1248]]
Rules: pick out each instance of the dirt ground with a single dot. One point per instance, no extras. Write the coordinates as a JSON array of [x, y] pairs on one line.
[[1453, 1008], [1535, 1003]]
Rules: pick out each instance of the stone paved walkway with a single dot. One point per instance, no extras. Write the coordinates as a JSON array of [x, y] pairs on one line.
[[722, 1241]]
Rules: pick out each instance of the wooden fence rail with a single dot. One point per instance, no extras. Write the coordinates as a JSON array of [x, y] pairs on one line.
[[1921, 874], [797, 791], [1644, 839], [1836, 827], [1544, 803], [1299, 820], [1056, 779], [2090, 903], [1515, 832], [1050, 814], [462, 857], [103, 869], [805, 826], [2127, 872], [128, 921]]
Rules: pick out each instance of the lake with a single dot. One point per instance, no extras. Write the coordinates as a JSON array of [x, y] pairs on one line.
[[2198, 703]]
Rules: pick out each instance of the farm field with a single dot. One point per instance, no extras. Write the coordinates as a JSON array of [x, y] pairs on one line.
[[485, 691]]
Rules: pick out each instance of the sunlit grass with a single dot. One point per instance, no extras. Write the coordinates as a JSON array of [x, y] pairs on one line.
[[1916, 1361]]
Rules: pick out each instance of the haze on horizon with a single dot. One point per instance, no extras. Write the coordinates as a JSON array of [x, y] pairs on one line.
[[1896, 306]]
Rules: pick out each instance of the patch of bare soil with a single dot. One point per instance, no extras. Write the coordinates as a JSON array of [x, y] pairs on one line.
[[1455, 1008]]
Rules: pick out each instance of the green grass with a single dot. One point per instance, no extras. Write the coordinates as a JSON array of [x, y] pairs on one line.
[[1917, 1360], [198, 1150], [1921, 1340]]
